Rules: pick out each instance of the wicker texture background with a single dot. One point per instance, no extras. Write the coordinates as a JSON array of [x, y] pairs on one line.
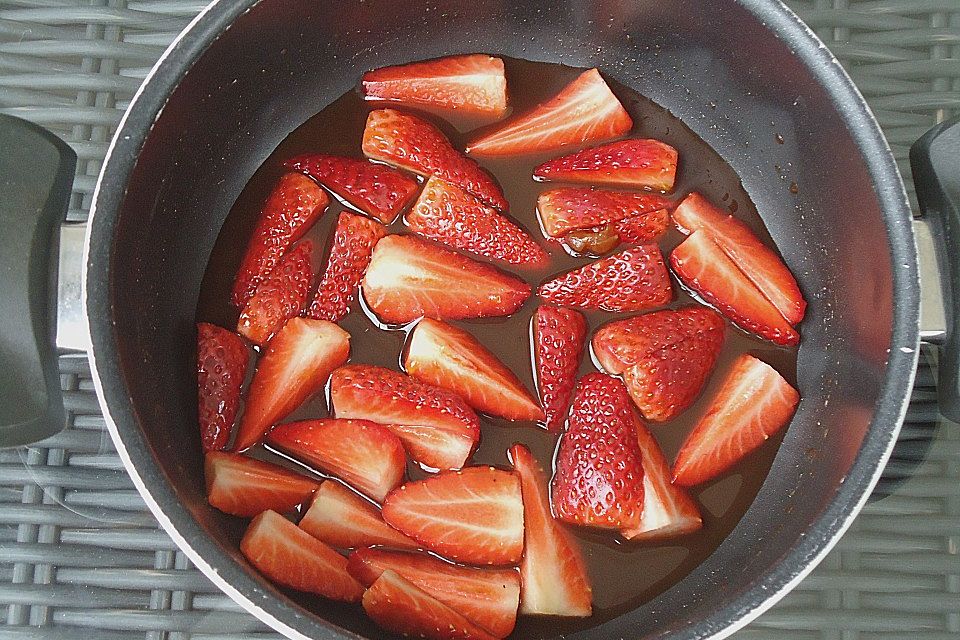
[[81, 557]]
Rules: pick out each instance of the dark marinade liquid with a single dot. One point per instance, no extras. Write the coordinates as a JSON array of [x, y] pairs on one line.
[[624, 574]]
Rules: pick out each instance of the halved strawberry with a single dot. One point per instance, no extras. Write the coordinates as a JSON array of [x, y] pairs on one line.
[[414, 144], [438, 429], [376, 189], [341, 518], [353, 242], [599, 468], [451, 358], [705, 268], [364, 454], [448, 214], [634, 163], [758, 262], [632, 280], [553, 575], [288, 213], [244, 487], [400, 607], [294, 366], [643, 227], [569, 208], [281, 295], [293, 558], [585, 110], [409, 278], [472, 83], [753, 403], [558, 339], [474, 515], [221, 367], [487, 597]]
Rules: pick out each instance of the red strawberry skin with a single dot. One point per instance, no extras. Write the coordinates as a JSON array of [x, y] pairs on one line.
[[569, 208], [279, 297], [634, 163], [473, 83], [643, 227], [221, 367], [599, 469], [414, 144], [558, 338], [632, 280], [353, 242], [244, 487], [288, 213], [376, 189], [342, 519], [448, 214]]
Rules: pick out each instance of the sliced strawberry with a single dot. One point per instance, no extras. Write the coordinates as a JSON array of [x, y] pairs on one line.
[[471, 83], [400, 607], [474, 515], [553, 575], [487, 597], [558, 339], [632, 163], [281, 295], [409, 278], [364, 454], [591, 243], [758, 262], [341, 518], [706, 269], [599, 469], [438, 429], [244, 487], [665, 357], [643, 227], [569, 208], [451, 358], [375, 189], [632, 280], [414, 144], [448, 214], [753, 403], [221, 367], [288, 213], [294, 366], [353, 242], [584, 111], [293, 558]]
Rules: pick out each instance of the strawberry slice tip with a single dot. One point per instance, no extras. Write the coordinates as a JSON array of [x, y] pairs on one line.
[[244, 487], [221, 367], [281, 295], [639, 163], [342, 519], [558, 339]]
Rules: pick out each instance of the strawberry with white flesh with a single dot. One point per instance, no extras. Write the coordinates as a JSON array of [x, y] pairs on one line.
[[473, 84], [438, 429], [632, 280], [221, 367], [448, 214], [445, 356], [353, 242], [414, 144], [584, 111], [288, 213], [762, 266], [409, 278], [376, 189], [294, 366], [558, 340], [293, 558], [599, 466], [281, 295], [342, 519], [474, 515], [569, 208], [552, 573], [487, 597], [636, 164], [401, 607], [703, 266], [753, 403], [244, 487], [365, 455]]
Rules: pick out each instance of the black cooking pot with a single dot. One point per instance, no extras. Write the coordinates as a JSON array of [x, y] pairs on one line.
[[247, 73]]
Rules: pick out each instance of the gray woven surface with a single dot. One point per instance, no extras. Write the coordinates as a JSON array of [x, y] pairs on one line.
[[80, 556]]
